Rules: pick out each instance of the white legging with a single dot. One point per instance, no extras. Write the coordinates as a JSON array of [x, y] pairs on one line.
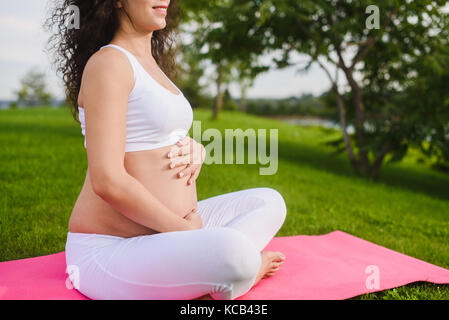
[[221, 259]]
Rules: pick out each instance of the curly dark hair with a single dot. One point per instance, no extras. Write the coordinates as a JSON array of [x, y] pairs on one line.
[[99, 21]]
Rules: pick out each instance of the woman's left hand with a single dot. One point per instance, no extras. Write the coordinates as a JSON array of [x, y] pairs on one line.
[[187, 152]]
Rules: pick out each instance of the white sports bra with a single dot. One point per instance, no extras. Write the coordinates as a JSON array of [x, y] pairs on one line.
[[155, 117]]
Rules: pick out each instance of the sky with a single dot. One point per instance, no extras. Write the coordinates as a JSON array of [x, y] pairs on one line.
[[23, 39]]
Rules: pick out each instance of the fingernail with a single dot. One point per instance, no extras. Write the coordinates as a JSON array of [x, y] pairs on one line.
[[181, 174], [172, 165], [169, 154]]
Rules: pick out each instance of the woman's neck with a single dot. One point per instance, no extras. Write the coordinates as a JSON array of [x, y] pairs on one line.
[[137, 43]]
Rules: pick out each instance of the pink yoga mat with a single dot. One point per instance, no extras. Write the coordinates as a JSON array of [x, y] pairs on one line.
[[331, 266]]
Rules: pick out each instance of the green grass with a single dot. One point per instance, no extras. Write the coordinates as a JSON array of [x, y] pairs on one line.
[[43, 164]]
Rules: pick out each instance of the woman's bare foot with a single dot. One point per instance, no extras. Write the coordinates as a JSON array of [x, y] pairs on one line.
[[271, 262]]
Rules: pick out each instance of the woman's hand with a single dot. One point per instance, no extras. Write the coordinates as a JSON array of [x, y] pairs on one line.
[[187, 152], [195, 219]]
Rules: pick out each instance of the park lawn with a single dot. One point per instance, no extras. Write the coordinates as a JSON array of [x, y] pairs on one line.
[[43, 164]]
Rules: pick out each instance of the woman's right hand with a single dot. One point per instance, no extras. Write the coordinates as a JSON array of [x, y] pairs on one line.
[[195, 219]]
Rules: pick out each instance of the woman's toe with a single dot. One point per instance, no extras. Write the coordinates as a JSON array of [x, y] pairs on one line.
[[274, 269], [279, 256]]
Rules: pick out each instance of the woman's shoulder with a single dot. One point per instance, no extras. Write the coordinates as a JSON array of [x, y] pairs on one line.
[[108, 61], [105, 71], [108, 66]]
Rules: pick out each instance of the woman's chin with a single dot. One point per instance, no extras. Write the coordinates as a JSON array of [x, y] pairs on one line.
[[158, 23], [154, 28]]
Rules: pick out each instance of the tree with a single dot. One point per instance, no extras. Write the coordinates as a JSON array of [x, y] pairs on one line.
[[220, 45], [432, 129], [381, 66], [192, 71], [33, 90]]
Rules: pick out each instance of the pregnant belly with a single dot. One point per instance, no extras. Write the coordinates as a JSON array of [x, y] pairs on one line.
[[92, 214], [151, 168]]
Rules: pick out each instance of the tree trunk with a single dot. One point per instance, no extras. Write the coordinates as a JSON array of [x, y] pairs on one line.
[[342, 113], [377, 163], [242, 101], [218, 102], [359, 123], [363, 165]]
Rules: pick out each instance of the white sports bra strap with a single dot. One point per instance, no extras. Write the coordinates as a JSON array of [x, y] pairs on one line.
[[127, 53]]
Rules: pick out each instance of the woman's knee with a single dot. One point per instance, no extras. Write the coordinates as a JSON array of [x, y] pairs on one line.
[[241, 260], [275, 201]]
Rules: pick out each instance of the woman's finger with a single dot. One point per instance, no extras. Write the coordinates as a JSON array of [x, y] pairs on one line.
[[178, 161], [183, 141], [190, 213], [194, 176], [173, 151], [179, 151], [185, 150], [185, 172]]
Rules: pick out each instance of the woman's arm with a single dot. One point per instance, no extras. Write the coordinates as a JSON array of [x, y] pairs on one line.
[[106, 84]]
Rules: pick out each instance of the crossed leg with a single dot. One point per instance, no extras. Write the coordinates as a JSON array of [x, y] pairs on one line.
[[257, 212], [222, 259]]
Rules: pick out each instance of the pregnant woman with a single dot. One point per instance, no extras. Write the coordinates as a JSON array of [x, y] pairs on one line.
[[137, 230]]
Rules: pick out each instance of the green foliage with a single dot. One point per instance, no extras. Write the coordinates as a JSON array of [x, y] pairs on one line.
[[397, 92], [33, 90], [191, 73], [307, 106], [219, 45], [228, 102]]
